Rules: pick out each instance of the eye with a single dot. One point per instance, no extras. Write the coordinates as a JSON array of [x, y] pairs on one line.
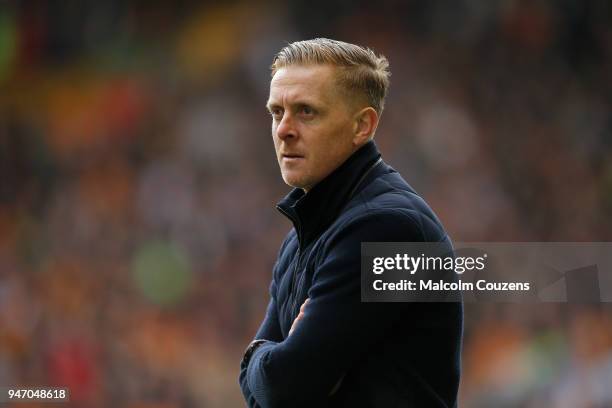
[[276, 113], [307, 110]]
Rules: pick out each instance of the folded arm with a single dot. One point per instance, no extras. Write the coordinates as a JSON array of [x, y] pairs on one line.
[[336, 329]]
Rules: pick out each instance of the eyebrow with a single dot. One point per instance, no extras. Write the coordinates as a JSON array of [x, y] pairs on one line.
[[302, 102], [270, 105]]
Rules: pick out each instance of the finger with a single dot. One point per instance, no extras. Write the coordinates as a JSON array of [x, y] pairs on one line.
[[294, 324], [304, 304]]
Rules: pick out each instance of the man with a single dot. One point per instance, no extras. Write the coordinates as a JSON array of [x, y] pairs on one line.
[[319, 345]]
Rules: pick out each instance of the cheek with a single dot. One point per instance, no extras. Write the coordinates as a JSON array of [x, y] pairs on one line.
[[274, 138], [336, 143]]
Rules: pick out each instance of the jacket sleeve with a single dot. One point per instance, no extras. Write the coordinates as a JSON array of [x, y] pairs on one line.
[[269, 330], [337, 329]]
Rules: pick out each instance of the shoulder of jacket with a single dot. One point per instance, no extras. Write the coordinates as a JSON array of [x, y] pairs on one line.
[[382, 201], [373, 216]]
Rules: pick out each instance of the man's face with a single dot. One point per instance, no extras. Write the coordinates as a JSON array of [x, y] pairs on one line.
[[312, 124]]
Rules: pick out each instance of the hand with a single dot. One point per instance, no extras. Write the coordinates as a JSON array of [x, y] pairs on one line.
[[299, 316]]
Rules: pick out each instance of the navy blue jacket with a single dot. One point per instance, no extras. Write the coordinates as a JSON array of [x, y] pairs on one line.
[[383, 354]]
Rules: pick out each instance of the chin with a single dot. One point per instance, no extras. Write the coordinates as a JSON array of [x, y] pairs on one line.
[[294, 184], [294, 181]]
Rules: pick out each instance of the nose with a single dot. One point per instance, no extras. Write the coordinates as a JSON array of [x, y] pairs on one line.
[[285, 129]]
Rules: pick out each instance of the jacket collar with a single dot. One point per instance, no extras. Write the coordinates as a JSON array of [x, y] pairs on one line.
[[312, 212]]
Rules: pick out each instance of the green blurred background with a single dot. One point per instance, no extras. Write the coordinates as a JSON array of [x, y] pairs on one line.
[[138, 182]]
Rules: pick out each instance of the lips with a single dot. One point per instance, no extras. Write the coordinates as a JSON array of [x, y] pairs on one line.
[[291, 156]]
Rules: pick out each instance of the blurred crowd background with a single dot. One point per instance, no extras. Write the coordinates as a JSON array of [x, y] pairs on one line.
[[138, 183]]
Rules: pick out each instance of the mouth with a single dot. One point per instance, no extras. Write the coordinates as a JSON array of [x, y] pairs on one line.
[[291, 157]]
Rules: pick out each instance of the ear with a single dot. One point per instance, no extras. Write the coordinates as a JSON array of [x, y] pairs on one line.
[[366, 122]]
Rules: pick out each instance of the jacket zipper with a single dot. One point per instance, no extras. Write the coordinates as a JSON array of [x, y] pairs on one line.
[[298, 262], [295, 281], [296, 268]]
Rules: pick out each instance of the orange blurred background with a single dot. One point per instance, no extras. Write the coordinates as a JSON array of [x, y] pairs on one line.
[[138, 183]]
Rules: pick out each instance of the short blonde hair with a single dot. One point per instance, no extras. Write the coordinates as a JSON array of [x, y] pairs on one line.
[[362, 71]]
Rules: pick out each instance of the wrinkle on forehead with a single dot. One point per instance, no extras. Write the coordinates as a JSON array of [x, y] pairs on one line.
[[295, 82]]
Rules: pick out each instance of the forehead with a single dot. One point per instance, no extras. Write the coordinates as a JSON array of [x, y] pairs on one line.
[[303, 81]]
